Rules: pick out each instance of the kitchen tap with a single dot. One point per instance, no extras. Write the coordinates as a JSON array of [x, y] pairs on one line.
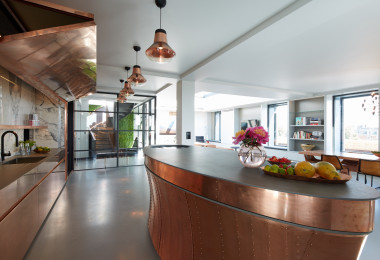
[[3, 154]]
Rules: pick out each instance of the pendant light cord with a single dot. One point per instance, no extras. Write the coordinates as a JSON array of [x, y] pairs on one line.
[[160, 17]]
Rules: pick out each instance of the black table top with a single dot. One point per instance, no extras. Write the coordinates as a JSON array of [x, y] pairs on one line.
[[224, 164]]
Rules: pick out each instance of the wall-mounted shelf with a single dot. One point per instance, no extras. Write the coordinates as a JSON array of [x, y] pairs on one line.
[[12, 127], [304, 139], [310, 108], [307, 125]]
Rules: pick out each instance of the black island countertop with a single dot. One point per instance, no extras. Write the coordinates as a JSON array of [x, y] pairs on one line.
[[225, 165], [202, 197]]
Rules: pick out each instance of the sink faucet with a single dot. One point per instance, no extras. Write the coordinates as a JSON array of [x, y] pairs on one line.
[[3, 154]]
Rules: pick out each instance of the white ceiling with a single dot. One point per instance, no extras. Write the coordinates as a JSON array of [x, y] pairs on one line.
[[265, 49]]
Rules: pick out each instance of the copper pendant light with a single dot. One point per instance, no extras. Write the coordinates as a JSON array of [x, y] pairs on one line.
[[121, 98], [137, 78], [127, 90], [160, 51]]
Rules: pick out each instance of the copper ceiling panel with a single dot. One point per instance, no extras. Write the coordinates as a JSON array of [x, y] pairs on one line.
[[53, 60]]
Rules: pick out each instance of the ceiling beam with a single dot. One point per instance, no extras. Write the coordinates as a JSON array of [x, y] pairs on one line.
[[163, 88], [117, 90], [262, 26], [145, 72], [233, 88]]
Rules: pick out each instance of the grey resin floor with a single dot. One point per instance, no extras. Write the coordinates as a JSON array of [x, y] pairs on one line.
[[102, 214]]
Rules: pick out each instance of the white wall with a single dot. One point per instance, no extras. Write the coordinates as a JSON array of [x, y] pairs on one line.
[[227, 126], [166, 114], [203, 125], [249, 113], [185, 111]]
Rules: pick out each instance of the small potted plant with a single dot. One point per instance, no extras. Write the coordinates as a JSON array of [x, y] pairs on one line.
[[251, 153]]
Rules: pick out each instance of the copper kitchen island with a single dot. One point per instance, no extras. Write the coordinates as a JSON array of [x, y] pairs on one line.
[[205, 205]]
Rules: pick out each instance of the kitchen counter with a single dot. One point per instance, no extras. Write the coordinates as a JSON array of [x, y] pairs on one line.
[[17, 179], [224, 165], [212, 201], [28, 192], [11, 172]]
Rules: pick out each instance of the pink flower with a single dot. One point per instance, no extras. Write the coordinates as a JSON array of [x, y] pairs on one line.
[[239, 136], [252, 136]]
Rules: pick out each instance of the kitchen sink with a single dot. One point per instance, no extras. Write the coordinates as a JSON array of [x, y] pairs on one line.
[[21, 160]]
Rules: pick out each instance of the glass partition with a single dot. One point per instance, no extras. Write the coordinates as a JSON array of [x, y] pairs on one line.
[[111, 134]]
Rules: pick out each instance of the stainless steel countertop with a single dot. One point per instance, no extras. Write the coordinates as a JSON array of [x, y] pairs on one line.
[[17, 179], [11, 172], [224, 164]]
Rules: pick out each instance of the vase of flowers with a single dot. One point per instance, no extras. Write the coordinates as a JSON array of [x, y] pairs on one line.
[[251, 153]]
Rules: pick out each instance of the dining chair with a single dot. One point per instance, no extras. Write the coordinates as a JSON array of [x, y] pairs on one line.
[[352, 165], [334, 160], [369, 167], [311, 158]]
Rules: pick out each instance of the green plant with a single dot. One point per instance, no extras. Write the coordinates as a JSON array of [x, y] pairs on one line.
[[30, 142], [93, 107], [89, 69], [126, 139]]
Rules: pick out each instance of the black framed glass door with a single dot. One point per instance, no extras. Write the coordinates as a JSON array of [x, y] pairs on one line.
[[110, 134]]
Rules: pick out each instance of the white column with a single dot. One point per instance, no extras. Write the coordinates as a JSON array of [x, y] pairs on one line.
[[329, 144], [185, 112], [236, 119]]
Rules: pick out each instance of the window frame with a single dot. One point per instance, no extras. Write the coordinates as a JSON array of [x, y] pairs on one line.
[[338, 119], [219, 127], [272, 134]]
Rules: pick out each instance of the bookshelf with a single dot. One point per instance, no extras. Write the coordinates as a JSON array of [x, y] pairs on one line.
[[306, 119]]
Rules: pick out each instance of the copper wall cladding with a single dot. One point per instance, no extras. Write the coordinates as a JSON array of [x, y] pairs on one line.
[[187, 226], [329, 214], [20, 226], [53, 60]]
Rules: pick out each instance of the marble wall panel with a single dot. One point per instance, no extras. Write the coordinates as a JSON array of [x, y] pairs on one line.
[[17, 100], [49, 114]]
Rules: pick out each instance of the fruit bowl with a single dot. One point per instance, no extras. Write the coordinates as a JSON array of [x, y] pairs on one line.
[[278, 161], [376, 153], [307, 147], [316, 178], [36, 151], [41, 150]]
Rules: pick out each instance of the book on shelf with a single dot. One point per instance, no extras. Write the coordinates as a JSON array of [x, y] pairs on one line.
[[315, 121], [302, 120], [302, 135]]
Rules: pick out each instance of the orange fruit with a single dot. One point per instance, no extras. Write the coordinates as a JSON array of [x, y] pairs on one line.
[[305, 169]]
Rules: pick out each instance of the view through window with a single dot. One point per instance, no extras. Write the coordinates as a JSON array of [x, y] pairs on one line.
[[217, 126], [278, 125], [359, 129]]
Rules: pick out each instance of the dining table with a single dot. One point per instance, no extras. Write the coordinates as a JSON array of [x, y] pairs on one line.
[[342, 155]]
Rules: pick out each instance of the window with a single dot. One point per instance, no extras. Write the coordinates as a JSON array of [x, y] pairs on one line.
[[278, 125], [217, 126], [355, 129]]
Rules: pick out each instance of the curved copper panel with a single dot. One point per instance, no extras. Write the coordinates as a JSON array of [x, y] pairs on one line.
[[210, 230], [329, 214]]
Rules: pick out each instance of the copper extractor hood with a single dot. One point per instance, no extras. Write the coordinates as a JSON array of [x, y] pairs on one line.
[[51, 47]]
